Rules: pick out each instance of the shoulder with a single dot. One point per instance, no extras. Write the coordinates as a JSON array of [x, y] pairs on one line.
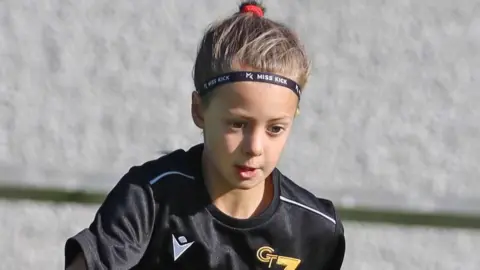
[[320, 209], [160, 179], [176, 165], [129, 213]]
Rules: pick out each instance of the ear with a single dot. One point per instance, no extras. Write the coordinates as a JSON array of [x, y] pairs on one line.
[[197, 110]]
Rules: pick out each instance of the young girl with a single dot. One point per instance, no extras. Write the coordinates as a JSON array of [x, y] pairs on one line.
[[223, 204]]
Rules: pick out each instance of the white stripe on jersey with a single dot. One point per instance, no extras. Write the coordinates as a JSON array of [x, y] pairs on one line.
[[154, 180], [308, 208]]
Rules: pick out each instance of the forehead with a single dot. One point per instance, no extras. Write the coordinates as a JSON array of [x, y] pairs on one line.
[[257, 99]]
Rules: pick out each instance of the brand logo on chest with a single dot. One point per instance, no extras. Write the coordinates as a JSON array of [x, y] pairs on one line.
[[268, 256], [180, 245]]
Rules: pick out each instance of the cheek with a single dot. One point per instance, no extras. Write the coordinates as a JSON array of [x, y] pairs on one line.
[[274, 154], [219, 140], [275, 149]]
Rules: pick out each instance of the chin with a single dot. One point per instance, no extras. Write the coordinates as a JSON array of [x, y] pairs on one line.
[[247, 184]]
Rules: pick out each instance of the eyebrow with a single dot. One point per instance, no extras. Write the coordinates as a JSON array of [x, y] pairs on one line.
[[246, 117]]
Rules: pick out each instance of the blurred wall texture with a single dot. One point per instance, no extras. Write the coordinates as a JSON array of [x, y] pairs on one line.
[[390, 117]]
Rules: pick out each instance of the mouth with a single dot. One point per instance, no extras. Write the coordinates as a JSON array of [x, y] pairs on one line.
[[245, 167], [246, 172]]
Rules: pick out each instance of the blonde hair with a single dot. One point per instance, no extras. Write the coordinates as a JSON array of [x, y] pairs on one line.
[[246, 41]]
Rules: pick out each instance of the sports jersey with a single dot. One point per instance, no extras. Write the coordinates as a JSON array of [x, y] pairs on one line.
[[160, 216]]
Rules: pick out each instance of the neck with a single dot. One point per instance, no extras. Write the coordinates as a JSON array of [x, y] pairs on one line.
[[237, 203], [242, 204]]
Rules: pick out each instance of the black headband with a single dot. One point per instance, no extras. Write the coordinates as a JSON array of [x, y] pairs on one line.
[[243, 76]]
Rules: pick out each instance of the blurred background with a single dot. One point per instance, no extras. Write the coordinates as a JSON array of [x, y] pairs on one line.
[[389, 127]]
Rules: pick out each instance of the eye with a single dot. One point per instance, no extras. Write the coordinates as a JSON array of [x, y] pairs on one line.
[[275, 130], [237, 125]]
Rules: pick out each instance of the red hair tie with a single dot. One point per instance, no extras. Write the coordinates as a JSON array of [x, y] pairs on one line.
[[253, 9]]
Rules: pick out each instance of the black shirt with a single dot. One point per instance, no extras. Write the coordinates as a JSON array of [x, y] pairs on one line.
[[160, 216]]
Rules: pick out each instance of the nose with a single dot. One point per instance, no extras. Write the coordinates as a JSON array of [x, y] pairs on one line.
[[253, 143]]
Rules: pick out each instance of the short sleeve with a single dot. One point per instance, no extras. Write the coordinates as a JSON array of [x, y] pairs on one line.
[[121, 230]]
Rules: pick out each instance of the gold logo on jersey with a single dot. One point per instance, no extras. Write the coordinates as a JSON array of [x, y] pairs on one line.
[[267, 255]]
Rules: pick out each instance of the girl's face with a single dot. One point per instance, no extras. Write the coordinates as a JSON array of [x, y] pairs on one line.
[[246, 126]]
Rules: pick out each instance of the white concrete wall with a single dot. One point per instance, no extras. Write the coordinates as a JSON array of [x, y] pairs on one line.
[[33, 236], [390, 117]]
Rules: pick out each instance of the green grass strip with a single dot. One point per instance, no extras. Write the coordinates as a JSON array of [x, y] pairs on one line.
[[50, 195], [439, 220]]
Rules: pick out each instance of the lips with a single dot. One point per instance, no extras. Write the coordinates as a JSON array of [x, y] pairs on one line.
[[246, 172], [245, 168]]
